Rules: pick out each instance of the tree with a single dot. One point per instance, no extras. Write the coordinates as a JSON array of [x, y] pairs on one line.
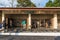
[[56, 3], [25, 3], [49, 3], [11, 2]]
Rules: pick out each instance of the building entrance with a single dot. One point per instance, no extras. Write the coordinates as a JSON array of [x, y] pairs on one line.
[[9, 23], [45, 23], [15, 21]]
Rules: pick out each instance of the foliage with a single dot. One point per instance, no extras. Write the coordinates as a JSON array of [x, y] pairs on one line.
[[25, 3], [55, 3], [49, 3]]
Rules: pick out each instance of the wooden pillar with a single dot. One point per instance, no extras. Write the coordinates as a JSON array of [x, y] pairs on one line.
[[40, 23], [29, 21], [55, 24], [51, 23], [3, 18]]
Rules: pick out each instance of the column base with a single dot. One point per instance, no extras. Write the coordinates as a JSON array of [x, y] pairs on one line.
[[55, 27], [29, 27]]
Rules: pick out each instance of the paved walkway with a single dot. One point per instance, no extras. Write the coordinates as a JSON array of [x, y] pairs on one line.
[[28, 38]]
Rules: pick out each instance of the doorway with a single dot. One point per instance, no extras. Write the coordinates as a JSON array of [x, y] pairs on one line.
[[41, 23], [15, 21], [9, 23]]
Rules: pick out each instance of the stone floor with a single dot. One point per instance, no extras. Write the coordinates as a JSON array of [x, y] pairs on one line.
[[29, 38]]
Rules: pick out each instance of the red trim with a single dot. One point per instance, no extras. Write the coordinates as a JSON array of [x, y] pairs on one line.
[[47, 8], [34, 8]]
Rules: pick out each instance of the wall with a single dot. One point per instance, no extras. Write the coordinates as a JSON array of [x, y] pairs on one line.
[[58, 16], [42, 16], [0, 17]]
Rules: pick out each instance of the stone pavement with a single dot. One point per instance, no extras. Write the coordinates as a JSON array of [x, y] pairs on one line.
[[29, 38]]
